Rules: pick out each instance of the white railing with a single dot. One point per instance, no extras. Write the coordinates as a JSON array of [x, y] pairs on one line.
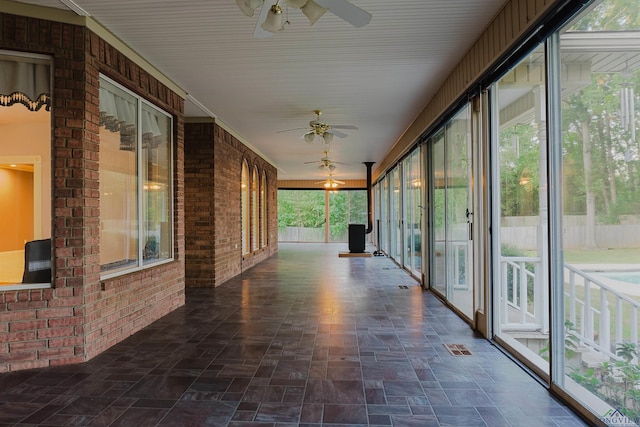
[[594, 322], [523, 295], [600, 316], [461, 270]]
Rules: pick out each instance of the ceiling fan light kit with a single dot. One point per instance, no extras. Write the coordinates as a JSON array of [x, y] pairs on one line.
[[273, 21], [309, 137], [323, 131], [325, 163], [296, 3], [313, 11], [330, 183], [271, 16], [248, 7]]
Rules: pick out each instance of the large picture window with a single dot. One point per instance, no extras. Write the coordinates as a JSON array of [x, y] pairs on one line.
[[263, 210], [244, 188], [136, 209], [304, 215], [521, 209], [254, 209], [25, 170], [600, 241]]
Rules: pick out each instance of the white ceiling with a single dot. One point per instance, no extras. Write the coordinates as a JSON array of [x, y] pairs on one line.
[[378, 77]]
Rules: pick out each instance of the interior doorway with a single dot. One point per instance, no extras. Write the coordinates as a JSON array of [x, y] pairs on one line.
[[20, 212]]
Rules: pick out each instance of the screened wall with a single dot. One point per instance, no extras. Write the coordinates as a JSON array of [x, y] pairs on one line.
[[319, 215], [531, 221]]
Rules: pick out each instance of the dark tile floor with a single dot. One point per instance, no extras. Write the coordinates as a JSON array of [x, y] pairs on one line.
[[303, 339]]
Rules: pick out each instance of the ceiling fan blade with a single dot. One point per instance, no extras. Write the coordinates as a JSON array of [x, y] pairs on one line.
[[344, 127], [289, 130], [339, 182], [338, 133], [258, 32], [347, 11]]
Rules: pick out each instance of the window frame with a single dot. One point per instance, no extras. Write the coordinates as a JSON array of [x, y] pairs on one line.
[[141, 262], [245, 208], [41, 162], [263, 210], [255, 211]]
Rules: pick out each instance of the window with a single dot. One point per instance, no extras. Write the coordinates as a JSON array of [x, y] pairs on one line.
[[25, 167], [244, 188], [263, 210], [136, 204], [412, 212], [520, 207], [303, 215], [385, 222], [346, 207], [600, 240], [254, 210], [395, 236]]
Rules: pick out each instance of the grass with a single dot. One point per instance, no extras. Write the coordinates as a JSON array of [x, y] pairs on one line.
[[603, 256], [606, 256], [626, 314]]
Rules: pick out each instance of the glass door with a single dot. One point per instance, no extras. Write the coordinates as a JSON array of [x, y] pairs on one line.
[[520, 212], [451, 195], [438, 223], [412, 213], [396, 216], [597, 270], [385, 222], [458, 211]]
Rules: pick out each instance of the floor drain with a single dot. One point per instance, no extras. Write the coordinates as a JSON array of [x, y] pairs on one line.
[[403, 286], [458, 349]]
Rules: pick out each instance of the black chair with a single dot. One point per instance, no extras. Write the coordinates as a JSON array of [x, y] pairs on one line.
[[37, 261]]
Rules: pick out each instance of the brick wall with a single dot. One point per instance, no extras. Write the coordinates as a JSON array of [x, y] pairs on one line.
[[199, 205], [118, 307], [46, 327], [213, 167], [81, 316]]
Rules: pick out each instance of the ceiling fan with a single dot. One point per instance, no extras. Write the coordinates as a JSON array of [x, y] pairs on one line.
[[323, 130], [325, 163], [331, 183], [271, 16]]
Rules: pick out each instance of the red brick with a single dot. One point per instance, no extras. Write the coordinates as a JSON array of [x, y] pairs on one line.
[[24, 326], [19, 347], [55, 332], [17, 336]]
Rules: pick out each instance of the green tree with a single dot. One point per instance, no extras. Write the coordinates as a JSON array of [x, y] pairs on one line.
[[601, 179], [346, 207], [519, 170], [300, 208]]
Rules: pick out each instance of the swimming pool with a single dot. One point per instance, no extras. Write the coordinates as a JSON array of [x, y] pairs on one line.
[[629, 277]]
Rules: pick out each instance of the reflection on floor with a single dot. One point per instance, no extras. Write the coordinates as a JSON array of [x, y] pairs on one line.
[[304, 339]]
